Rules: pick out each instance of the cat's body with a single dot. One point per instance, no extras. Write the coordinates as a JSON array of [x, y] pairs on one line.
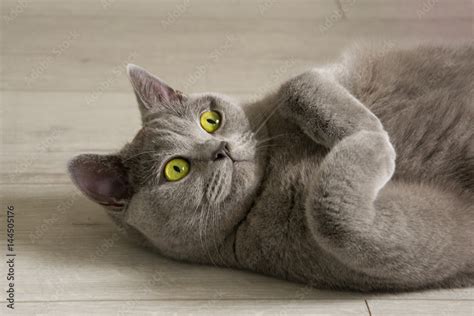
[[312, 194], [434, 143]]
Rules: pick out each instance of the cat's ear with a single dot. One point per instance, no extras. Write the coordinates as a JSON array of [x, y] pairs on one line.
[[102, 178], [151, 91]]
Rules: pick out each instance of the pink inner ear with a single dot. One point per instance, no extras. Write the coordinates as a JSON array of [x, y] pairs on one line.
[[161, 90], [101, 178], [151, 90]]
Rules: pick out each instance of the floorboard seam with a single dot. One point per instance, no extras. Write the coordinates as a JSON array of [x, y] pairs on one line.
[[368, 308]]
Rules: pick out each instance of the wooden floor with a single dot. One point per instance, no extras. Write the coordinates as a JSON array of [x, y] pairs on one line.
[[64, 91]]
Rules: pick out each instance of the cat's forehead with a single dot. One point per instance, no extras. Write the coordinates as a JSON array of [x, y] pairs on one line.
[[185, 110], [178, 117], [179, 135], [172, 127]]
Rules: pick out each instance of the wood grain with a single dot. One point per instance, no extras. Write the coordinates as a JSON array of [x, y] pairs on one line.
[[422, 307], [200, 307]]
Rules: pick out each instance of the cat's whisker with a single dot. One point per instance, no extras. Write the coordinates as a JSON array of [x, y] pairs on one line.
[[210, 220], [214, 238], [259, 117], [206, 231], [215, 225], [139, 154], [154, 172], [271, 113], [199, 220], [163, 131], [203, 230], [201, 227], [267, 146], [270, 139]]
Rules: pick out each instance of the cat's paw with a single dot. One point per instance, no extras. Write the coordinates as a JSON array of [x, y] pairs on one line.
[[371, 156], [324, 110], [297, 95], [375, 155]]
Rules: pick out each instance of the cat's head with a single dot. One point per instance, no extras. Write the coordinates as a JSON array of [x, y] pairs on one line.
[[187, 178]]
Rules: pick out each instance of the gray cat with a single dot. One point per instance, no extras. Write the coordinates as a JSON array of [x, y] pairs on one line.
[[357, 175]]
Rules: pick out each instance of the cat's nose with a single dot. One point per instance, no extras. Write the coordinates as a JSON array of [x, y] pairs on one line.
[[222, 151]]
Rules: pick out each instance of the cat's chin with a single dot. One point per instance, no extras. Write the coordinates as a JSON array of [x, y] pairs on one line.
[[235, 181]]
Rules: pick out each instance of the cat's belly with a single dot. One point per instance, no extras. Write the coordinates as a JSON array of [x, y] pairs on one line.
[[275, 238]]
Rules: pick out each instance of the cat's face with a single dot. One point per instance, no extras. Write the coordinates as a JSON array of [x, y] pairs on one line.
[[187, 178]]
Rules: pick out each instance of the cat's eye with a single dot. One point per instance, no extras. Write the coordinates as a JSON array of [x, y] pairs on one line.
[[210, 121], [176, 169]]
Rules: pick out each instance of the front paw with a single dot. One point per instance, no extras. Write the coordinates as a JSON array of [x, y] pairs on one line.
[[375, 156], [299, 95], [324, 110], [301, 100]]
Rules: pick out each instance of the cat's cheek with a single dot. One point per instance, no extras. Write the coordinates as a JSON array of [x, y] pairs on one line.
[[246, 175]]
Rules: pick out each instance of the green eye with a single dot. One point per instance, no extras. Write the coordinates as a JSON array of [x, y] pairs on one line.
[[210, 121], [176, 169]]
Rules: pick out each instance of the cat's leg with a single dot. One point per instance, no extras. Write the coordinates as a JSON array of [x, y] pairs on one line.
[[403, 235], [324, 109], [400, 234]]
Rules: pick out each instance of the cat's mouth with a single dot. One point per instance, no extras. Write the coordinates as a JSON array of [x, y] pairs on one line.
[[220, 182]]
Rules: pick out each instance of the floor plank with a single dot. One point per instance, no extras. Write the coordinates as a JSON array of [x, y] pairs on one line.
[[421, 307], [444, 294], [201, 307]]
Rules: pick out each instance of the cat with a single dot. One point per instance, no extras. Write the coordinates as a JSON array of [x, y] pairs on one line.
[[357, 175]]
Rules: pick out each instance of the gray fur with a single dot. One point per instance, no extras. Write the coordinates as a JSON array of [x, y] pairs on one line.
[[357, 175]]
